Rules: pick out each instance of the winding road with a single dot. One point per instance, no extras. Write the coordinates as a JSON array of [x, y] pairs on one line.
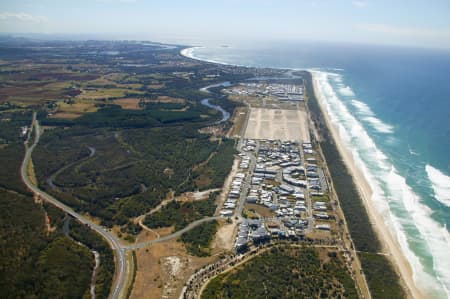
[[51, 178], [122, 267], [173, 235]]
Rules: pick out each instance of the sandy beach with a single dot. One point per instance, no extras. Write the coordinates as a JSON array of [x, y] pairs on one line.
[[390, 244]]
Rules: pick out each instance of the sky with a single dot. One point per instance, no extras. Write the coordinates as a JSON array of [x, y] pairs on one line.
[[200, 22]]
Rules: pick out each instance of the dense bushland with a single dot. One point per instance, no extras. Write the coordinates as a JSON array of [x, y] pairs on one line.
[[284, 272]]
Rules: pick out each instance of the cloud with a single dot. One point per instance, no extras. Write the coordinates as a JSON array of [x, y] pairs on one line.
[[23, 17], [359, 3], [405, 31]]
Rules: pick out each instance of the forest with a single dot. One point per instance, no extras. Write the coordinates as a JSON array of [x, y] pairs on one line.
[[131, 170], [34, 260], [34, 253]]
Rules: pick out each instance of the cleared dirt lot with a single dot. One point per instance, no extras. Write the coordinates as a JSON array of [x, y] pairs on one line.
[[276, 124], [162, 270]]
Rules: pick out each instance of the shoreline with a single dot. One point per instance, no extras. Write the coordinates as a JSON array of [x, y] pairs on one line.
[[389, 243]]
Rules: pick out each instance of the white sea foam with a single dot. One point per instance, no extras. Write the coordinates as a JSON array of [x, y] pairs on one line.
[[409, 220], [190, 53], [379, 125], [367, 115], [346, 91], [362, 108], [440, 183]]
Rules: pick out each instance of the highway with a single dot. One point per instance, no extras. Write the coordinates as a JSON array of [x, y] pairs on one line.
[[121, 264]]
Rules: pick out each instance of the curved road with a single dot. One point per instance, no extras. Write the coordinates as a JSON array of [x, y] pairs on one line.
[[173, 235], [122, 268], [51, 178], [121, 265]]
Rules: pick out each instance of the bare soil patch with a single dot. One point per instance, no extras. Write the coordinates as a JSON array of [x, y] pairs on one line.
[[238, 120], [128, 103], [260, 210], [162, 270], [65, 115], [155, 86], [277, 124], [225, 235], [167, 99]]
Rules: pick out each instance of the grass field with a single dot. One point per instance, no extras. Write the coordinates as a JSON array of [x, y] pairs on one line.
[[76, 109]]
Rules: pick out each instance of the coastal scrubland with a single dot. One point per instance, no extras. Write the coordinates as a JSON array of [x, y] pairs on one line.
[[286, 272], [131, 171], [381, 276], [179, 215]]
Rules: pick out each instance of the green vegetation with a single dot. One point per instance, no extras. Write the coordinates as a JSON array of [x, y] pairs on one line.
[[382, 278], [197, 240], [213, 174], [35, 263], [164, 106], [11, 121], [180, 215], [66, 269], [96, 157], [133, 278], [10, 160], [113, 116], [380, 274], [131, 171], [85, 235], [12, 149], [284, 272]]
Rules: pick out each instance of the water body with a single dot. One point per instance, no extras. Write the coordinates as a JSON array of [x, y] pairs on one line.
[[392, 108], [225, 114]]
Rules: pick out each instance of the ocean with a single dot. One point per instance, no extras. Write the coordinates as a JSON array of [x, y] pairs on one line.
[[392, 109]]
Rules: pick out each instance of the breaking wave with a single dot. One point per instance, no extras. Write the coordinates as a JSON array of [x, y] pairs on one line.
[[346, 91], [362, 108], [440, 183], [379, 125], [410, 222], [190, 53]]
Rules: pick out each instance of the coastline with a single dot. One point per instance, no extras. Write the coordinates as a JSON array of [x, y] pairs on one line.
[[389, 243]]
